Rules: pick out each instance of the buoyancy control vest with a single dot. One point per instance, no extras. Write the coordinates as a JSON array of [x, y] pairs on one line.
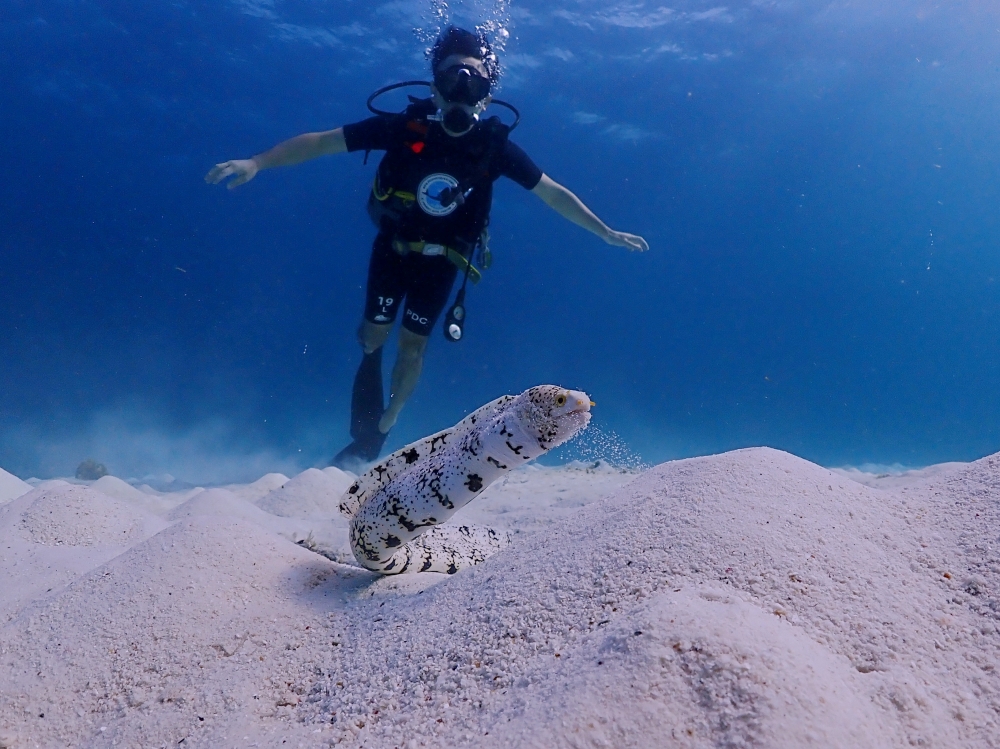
[[433, 187]]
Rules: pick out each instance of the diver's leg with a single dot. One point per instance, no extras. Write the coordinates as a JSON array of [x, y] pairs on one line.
[[384, 293], [405, 374], [372, 336], [429, 282], [367, 399]]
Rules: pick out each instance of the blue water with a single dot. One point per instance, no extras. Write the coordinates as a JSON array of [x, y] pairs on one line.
[[817, 182]]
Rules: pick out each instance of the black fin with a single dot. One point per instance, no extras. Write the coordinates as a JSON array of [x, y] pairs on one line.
[[367, 398]]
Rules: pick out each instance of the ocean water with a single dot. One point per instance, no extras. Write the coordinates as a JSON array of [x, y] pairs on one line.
[[818, 183]]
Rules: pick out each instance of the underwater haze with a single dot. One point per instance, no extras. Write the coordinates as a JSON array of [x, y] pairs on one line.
[[817, 182]]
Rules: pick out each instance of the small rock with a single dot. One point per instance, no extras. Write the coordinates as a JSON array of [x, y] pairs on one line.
[[90, 470]]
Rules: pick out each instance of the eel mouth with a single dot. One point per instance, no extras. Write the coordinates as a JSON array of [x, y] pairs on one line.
[[581, 403]]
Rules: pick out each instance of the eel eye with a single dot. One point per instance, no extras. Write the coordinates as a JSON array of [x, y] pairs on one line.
[[560, 400]]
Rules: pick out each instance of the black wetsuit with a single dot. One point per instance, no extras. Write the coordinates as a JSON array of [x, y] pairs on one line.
[[411, 204], [417, 150]]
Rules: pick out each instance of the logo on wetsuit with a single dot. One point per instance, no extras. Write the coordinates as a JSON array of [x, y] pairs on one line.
[[436, 194]]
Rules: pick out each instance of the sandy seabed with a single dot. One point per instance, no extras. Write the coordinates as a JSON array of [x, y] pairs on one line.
[[750, 599]]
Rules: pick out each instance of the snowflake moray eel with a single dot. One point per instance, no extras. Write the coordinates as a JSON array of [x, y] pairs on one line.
[[397, 508]]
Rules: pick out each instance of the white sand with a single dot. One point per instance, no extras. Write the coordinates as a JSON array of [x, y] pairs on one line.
[[745, 599], [11, 487], [313, 493]]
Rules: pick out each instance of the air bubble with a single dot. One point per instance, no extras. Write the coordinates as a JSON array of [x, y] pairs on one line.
[[491, 17]]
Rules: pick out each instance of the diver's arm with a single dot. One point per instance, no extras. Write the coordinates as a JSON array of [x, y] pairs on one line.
[[570, 207], [302, 148], [292, 151]]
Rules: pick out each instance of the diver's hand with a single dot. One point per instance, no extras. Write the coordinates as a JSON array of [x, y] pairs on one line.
[[631, 242], [243, 169]]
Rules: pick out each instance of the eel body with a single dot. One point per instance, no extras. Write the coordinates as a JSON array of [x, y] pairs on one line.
[[397, 508]]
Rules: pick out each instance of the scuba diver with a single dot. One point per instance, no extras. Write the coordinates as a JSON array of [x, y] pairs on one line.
[[431, 202]]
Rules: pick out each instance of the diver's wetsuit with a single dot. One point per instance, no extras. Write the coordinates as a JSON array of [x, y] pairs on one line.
[[413, 207], [424, 281]]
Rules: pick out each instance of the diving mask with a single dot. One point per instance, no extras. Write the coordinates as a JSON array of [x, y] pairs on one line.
[[462, 84]]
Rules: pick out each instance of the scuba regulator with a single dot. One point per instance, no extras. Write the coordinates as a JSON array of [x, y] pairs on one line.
[[392, 87]]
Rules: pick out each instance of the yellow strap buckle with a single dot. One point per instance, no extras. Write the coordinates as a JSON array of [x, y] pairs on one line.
[[406, 197], [462, 263]]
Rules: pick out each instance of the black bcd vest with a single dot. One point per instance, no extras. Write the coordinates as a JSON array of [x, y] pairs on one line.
[[424, 168]]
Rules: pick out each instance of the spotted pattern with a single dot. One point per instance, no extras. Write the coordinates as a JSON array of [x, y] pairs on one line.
[[397, 507]]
